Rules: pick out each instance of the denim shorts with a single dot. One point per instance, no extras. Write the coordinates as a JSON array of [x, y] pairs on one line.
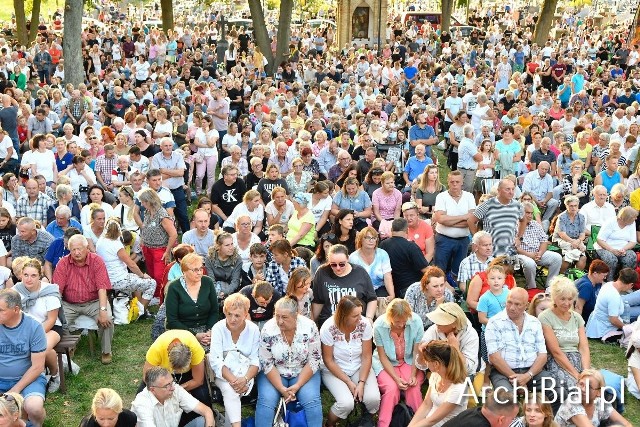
[[37, 388]]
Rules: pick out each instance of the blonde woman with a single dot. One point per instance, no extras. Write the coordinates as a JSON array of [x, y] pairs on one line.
[[11, 407], [107, 411]]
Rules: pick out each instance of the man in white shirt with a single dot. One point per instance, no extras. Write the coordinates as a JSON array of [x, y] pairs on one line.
[[598, 211], [162, 402]]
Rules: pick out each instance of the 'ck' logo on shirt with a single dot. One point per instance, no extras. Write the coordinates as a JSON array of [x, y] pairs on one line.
[[229, 196]]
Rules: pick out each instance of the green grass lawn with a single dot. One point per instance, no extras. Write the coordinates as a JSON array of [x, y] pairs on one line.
[[46, 9]]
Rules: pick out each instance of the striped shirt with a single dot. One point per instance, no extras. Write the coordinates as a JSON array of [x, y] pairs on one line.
[[501, 221]]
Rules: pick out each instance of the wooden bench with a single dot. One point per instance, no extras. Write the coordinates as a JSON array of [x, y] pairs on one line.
[[66, 346]]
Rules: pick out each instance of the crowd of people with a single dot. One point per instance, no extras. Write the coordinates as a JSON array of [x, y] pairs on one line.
[[323, 247]]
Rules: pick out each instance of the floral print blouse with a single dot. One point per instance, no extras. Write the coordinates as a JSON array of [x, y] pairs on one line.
[[276, 353]]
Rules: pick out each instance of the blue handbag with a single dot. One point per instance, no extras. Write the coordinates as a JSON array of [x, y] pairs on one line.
[[295, 416]]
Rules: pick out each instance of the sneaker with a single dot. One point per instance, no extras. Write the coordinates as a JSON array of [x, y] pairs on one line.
[[54, 384]]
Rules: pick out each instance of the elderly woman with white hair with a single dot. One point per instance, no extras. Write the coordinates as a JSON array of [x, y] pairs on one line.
[[616, 240], [290, 358], [234, 354], [64, 197], [236, 160], [564, 333], [569, 234]]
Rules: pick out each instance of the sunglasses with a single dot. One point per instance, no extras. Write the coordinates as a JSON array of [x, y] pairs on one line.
[[328, 236], [541, 296], [338, 264]]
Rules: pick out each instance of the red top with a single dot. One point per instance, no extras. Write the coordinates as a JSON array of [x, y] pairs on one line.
[[80, 284], [510, 281]]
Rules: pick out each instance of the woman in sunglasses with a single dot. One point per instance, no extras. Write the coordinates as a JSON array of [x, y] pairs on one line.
[[539, 303], [340, 277]]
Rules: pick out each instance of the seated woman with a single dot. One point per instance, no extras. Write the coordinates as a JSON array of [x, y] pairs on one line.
[[386, 200], [539, 303], [569, 235], [320, 258], [445, 397], [576, 184], [251, 207], [618, 197], [426, 295], [107, 411], [633, 363], [451, 324], [224, 264], [43, 302], [354, 199], [564, 334], [536, 413], [299, 286], [244, 238], [588, 408], [346, 353], [282, 266], [375, 260], [290, 358], [234, 354], [192, 300], [119, 263], [605, 320], [396, 332], [301, 224], [344, 230], [616, 240]]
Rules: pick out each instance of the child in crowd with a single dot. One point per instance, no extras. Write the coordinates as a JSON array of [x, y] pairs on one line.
[[255, 271]]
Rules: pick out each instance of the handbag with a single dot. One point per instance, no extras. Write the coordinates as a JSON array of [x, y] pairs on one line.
[[294, 415], [121, 310], [279, 420], [360, 417]]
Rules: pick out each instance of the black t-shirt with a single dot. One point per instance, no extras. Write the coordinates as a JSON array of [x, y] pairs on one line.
[[288, 76], [117, 106], [228, 197], [233, 95], [328, 289], [6, 234], [407, 262], [244, 40], [266, 186], [150, 151], [258, 313], [126, 418], [469, 418]]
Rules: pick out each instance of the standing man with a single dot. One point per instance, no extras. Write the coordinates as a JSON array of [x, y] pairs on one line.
[[9, 120], [219, 110], [84, 282], [42, 61], [452, 211], [23, 346], [452, 104], [500, 216], [468, 158], [171, 165]]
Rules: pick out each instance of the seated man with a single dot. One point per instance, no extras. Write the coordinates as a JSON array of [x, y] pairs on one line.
[[540, 183], [262, 300], [415, 166], [162, 402], [499, 409], [59, 248], [516, 348], [598, 211], [478, 260], [181, 354], [256, 271], [29, 241], [200, 237], [532, 249], [84, 282], [23, 343], [62, 221]]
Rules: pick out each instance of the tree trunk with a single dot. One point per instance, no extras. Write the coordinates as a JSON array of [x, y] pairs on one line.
[[21, 22], [35, 20], [447, 8], [167, 15], [545, 20], [260, 34], [284, 34], [72, 42]]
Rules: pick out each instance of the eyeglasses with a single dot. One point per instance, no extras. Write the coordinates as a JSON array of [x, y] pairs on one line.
[[371, 238], [338, 264], [166, 387], [196, 269]]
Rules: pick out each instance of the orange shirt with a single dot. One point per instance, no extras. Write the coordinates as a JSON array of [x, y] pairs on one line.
[[419, 234]]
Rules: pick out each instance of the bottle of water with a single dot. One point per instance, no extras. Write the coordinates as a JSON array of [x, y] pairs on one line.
[[626, 314]]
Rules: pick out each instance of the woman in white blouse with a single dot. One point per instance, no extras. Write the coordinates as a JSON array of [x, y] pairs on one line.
[[347, 348], [290, 359], [234, 354]]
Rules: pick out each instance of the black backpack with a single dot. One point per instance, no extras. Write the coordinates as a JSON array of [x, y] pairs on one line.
[[402, 415]]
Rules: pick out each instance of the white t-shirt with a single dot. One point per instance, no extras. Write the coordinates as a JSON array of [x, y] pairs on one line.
[[319, 209], [163, 128], [122, 212], [5, 144], [452, 104], [242, 210], [78, 180], [245, 254], [632, 386], [444, 202], [270, 209], [108, 251], [44, 163]]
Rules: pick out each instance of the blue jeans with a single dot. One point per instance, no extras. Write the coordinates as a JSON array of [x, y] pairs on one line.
[[269, 399], [180, 211], [450, 252]]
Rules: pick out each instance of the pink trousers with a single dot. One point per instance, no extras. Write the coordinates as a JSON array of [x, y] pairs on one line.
[[390, 393]]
